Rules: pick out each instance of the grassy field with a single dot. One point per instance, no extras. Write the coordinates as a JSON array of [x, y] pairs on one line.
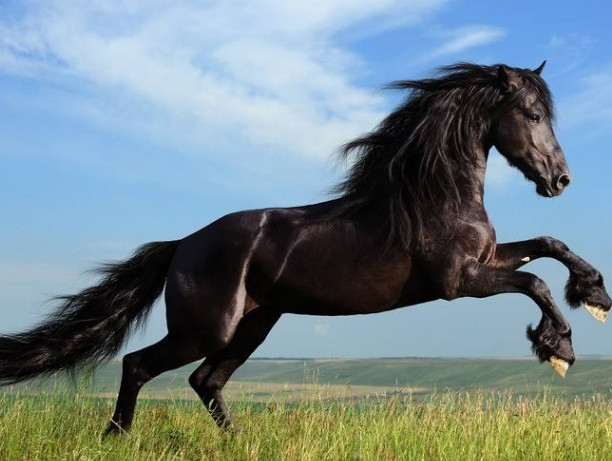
[[381, 409]]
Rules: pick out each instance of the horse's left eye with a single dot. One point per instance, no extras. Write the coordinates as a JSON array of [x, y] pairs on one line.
[[534, 118]]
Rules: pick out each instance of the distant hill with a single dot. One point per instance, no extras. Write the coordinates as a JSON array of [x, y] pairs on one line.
[[422, 375]]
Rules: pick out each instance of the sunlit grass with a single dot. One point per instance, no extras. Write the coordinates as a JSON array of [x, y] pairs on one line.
[[67, 426]]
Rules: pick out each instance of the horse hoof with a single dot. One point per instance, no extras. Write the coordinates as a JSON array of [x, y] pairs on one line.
[[113, 429], [596, 311], [561, 366]]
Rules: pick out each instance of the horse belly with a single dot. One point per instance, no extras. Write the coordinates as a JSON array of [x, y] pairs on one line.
[[332, 284]]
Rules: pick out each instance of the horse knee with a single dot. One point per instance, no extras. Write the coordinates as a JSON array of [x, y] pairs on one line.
[[551, 244], [206, 384], [196, 379], [538, 287]]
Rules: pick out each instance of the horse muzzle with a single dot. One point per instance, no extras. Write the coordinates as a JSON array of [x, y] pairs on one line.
[[552, 188]]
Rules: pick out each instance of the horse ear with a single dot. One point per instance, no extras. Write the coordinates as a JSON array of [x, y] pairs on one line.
[[507, 78], [539, 69]]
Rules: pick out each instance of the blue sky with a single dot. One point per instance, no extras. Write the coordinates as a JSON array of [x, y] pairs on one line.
[[130, 121]]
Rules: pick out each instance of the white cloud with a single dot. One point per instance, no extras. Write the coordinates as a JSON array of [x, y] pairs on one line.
[[591, 104], [321, 329], [265, 73], [227, 77], [467, 37], [571, 42]]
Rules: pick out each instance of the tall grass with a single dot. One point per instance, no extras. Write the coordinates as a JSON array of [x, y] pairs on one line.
[[64, 426]]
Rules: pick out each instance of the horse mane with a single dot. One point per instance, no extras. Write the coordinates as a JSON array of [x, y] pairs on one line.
[[412, 161]]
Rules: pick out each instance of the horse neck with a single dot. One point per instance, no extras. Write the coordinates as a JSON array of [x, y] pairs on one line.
[[471, 178]]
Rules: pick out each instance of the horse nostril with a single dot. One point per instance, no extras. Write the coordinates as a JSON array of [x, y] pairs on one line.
[[562, 181]]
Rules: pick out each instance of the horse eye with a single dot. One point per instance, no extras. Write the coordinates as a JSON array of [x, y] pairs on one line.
[[535, 118]]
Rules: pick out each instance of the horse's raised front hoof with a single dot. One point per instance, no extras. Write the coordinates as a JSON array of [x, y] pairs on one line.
[[596, 311], [560, 365], [551, 346], [590, 293]]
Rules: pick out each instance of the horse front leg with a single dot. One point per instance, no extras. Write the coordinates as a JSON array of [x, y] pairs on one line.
[[585, 285], [551, 340]]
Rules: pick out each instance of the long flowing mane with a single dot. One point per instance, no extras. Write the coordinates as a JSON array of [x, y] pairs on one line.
[[414, 158]]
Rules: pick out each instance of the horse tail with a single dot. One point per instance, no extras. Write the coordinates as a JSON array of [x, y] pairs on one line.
[[89, 328]]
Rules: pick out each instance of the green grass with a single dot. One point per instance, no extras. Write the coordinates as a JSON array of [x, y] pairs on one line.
[[408, 409], [445, 426]]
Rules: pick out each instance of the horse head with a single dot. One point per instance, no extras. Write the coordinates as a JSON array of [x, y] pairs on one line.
[[523, 131]]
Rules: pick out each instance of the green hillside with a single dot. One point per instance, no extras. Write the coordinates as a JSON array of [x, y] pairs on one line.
[[521, 375], [424, 376]]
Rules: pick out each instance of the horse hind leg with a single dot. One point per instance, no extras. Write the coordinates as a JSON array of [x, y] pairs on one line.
[[141, 366], [211, 376], [193, 333], [201, 318]]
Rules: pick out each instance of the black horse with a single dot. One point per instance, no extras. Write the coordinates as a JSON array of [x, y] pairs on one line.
[[408, 226]]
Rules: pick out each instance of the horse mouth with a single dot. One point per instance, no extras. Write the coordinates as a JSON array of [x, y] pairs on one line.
[[544, 189]]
